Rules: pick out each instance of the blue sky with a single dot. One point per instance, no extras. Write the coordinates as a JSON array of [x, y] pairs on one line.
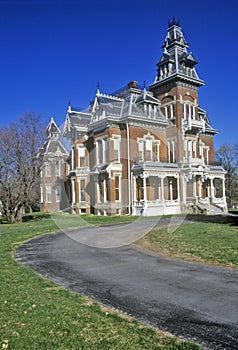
[[56, 51]]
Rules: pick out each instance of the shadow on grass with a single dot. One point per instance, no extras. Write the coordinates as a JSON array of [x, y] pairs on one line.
[[35, 216], [228, 219], [30, 217]]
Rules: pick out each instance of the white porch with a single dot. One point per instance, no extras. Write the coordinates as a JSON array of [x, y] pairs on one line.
[[156, 194]]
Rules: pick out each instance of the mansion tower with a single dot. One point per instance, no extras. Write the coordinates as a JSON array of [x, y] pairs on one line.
[[146, 151]]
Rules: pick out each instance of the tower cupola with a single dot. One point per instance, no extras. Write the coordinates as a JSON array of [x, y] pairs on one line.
[[176, 62]]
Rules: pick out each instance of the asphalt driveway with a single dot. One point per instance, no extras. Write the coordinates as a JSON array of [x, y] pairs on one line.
[[193, 301]]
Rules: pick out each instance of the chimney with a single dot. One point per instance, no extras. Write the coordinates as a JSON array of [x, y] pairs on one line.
[[132, 84]]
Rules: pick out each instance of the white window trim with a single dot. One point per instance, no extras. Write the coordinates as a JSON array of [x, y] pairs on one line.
[[58, 168], [48, 169], [80, 191], [81, 154], [105, 157], [118, 138], [105, 150], [73, 157], [57, 194], [171, 149], [119, 186], [48, 187]]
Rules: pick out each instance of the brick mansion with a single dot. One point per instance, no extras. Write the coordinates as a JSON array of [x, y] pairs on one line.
[[139, 151]]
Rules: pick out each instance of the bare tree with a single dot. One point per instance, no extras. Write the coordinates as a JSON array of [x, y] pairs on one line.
[[226, 156], [20, 166]]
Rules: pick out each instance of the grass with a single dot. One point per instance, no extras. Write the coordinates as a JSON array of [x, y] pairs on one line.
[[206, 242], [37, 314]]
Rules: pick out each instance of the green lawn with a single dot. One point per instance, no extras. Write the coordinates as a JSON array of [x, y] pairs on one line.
[[36, 314], [210, 242]]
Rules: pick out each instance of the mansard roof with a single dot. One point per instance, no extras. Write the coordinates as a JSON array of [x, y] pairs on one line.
[[135, 104], [131, 102], [76, 122], [55, 147]]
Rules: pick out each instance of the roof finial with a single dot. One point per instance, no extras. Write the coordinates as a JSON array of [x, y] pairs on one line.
[[69, 106], [174, 22], [98, 87]]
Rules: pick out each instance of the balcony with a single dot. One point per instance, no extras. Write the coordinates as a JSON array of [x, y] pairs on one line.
[[194, 161], [192, 125]]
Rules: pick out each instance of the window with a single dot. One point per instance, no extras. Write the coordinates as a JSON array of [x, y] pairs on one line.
[[73, 157], [116, 149], [83, 190], [148, 145], [148, 148], [105, 150], [206, 154], [48, 194], [106, 190], [117, 188], [57, 194], [188, 111], [99, 151], [168, 111], [99, 187], [57, 168], [41, 195], [48, 170], [81, 157], [141, 150], [193, 112], [155, 155], [194, 149], [171, 151], [139, 189]]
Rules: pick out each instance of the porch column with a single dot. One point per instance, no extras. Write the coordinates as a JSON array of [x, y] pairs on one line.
[[134, 188], [212, 193], [98, 199], [73, 190], [194, 187], [178, 188], [184, 189], [224, 188], [171, 190], [162, 194], [200, 188], [144, 188], [173, 150], [162, 188]]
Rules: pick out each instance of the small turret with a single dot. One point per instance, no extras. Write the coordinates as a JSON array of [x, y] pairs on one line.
[[52, 130]]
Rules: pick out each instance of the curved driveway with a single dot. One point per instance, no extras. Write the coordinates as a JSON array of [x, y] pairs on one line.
[[194, 301]]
